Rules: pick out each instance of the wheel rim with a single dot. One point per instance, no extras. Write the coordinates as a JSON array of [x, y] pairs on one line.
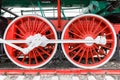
[[39, 56], [89, 55]]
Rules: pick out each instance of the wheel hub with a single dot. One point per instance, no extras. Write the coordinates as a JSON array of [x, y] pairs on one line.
[[89, 39]]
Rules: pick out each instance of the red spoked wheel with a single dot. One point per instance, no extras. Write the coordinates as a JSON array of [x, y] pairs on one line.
[[20, 29], [89, 27]]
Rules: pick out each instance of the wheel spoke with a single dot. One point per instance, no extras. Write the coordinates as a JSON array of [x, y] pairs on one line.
[[35, 57], [23, 26], [92, 56], [82, 27], [110, 41], [29, 59], [29, 24], [105, 46], [100, 31], [21, 31], [76, 34], [40, 27], [23, 60], [108, 34], [76, 47], [77, 53], [40, 55], [97, 54], [21, 36], [87, 56], [50, 35], [45, 52], [18, 55], [45, 29], [92, 25], [81, 56], [77, 28], [100, 50], [97, 27], [86, 23], [34, 25]]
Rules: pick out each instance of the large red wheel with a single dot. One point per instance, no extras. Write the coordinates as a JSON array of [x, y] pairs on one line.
[[20, 29], [89, 27]]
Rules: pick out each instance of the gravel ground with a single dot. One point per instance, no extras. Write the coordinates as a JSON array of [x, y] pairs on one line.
[[61, 77]]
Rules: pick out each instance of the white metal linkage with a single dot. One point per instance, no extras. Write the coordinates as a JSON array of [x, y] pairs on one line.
[[39, 40]]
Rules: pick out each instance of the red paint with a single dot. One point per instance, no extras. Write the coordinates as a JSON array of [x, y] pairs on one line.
[[59, 71], [117, 28], [55, 23], [59, 13]]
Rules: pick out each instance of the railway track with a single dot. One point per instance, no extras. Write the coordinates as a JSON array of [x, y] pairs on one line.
[[110, 71]]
